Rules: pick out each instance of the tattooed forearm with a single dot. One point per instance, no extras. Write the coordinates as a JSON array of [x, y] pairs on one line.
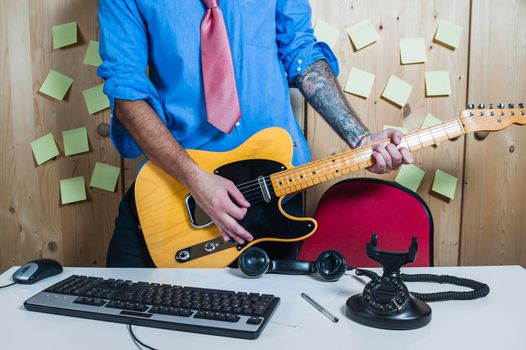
[[321, 89]]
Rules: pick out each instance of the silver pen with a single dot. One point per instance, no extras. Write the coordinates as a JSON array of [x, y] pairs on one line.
[[319, 307]]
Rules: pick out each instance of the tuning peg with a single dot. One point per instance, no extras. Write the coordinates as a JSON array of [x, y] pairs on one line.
[[501, 105], [521, 105], [511, 105], [491, 106], [471, 106], [482, 106]]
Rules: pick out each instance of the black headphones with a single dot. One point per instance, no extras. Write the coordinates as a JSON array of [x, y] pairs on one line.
[[330, 265]]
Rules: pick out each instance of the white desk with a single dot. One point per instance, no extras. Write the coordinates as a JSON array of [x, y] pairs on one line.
[[494, 322]]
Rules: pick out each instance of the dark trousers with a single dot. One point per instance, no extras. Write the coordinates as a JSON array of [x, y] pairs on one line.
[[128, 248]]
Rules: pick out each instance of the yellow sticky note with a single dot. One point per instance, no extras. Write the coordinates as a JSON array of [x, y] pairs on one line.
[[105, 177], [56, 85], [397, 91], [92, 57], [448, 34], [327, 33], [444, 184], [437, 83], [75, 141], [44, 148], [410, 176], [362, 34], [359, 82], [429, 121], [399, 128], [412, 50], [72, 190], [95, 99], [64, 34]]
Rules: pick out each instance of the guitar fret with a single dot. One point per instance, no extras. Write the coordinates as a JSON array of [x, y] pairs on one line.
[[299, 178]]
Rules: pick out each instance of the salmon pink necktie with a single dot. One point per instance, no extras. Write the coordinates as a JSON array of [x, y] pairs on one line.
[[222, 102]]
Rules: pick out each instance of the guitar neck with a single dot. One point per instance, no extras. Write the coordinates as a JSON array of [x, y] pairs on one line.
[[302, 177]]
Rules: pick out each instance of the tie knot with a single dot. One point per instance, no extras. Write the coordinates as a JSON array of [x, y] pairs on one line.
[[210, 4]]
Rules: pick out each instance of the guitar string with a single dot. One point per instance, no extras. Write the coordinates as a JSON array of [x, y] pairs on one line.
[[358, 157], [364, 153]]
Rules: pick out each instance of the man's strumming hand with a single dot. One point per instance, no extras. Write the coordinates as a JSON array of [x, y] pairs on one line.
[[223, 202]]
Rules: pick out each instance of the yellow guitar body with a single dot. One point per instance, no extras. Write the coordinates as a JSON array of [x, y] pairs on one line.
[[164, 217]]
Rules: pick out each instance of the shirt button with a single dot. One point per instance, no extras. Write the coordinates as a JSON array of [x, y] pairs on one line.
[[300, 61], [298, 69], [237, 124]]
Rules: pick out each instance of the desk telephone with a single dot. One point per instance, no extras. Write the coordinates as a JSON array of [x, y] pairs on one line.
[[385, 302]]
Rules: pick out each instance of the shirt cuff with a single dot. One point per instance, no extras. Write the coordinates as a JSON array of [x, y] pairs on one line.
[[310, 54], [131, 87]]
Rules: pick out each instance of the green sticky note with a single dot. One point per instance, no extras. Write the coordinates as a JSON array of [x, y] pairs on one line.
[[397, 91], [64, 34], [92, 57], [105, 177], [410, 176], [430, 120], [75, 141], [44, 148], [412, 50], [56, 85], [95, 99], [359, 82], [444, 184], [403, 130], [448, 34], [362, 34], [72, 190], [326, 33], [437, 83]]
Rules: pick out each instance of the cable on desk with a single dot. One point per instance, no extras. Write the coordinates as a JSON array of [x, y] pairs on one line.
[[136, 340], [480, 289], [7, 285]]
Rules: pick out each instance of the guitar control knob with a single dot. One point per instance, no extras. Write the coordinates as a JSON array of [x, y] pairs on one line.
[[482, 106], [511, 105], [471, 106], [501, 105]]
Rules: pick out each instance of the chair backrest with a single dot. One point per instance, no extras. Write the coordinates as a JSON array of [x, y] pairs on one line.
[[351, 210]]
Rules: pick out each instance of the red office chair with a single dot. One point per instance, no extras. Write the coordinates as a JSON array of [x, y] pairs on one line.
[[351, 210]]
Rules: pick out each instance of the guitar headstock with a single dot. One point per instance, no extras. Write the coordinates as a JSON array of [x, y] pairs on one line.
[[492, 119]]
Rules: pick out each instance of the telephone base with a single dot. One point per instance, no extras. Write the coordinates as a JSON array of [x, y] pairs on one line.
[[415, 314]]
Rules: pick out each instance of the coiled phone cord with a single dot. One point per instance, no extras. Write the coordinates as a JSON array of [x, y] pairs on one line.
[[480, 289]]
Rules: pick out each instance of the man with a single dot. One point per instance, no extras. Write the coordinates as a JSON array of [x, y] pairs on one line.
[[240, 55]]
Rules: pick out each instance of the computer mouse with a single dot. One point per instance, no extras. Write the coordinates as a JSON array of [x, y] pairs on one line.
[[37, 270]]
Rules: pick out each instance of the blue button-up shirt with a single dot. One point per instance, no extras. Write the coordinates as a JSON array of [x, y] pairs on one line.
[[271, 41]]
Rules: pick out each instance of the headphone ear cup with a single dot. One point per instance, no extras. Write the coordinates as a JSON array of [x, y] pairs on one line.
[[331, 265], [254, 262]]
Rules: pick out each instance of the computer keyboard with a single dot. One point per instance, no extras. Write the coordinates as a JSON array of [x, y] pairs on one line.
[[199, 310]]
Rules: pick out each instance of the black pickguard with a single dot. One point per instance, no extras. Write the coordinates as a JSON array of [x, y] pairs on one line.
[[263, 220]]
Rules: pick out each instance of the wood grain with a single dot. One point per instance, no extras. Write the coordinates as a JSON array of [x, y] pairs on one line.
[[395, 20], [494, 224], [35, 223]]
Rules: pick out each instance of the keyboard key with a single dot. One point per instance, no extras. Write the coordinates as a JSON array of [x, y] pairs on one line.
[[254, 320]]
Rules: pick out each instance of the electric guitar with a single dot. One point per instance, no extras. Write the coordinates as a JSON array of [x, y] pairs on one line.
[[179, 234]]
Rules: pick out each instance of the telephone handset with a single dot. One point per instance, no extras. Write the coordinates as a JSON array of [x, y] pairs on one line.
[[387, 303]]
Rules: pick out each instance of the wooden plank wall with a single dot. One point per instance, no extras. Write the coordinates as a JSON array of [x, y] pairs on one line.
[[491, 231], [396, 19], [494, 224], [32, 222]]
